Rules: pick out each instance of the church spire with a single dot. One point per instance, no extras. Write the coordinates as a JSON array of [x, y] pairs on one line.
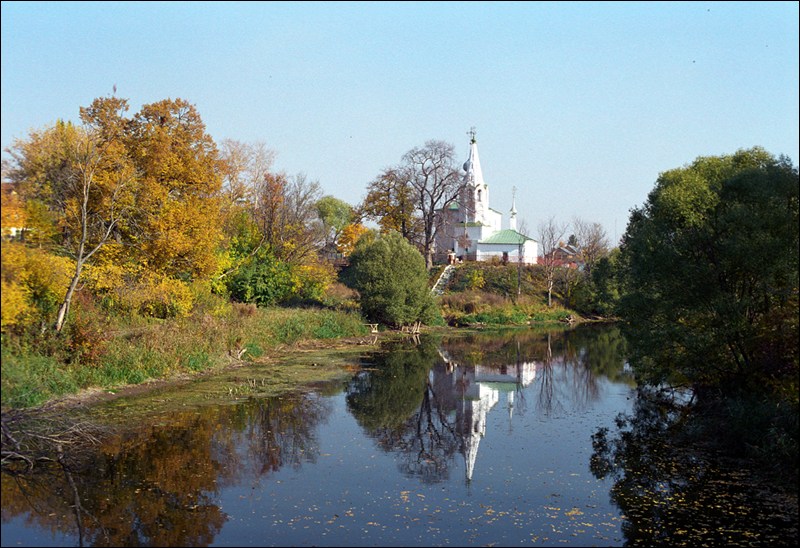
[[474, 181], [472, 166], [512, 220]]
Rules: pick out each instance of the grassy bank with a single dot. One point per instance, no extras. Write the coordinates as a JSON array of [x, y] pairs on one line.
[[100, 350], [123, 352]]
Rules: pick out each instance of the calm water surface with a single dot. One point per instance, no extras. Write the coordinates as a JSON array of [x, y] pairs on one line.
[[472, 440]]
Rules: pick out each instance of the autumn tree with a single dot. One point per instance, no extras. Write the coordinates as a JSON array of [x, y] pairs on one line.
[[177, 229], [85, 177], [12, 211], [34, 167], [245, 170], [349, 238], [282, 262], [287, 216], [390, 202]]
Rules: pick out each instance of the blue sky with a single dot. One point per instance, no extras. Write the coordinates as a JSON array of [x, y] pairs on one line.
[[579, 105]]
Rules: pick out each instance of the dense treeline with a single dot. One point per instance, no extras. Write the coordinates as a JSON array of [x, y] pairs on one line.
[[147, 214]]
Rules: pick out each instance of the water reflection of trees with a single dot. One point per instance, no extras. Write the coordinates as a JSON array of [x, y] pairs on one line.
[[429, 402], [157, 485], [675, 491], [395, 401]]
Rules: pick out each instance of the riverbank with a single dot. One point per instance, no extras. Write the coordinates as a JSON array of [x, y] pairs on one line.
[[287, 367], [122, 353], [99, 356]]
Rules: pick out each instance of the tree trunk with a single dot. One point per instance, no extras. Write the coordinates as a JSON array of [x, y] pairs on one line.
[[64, 308]]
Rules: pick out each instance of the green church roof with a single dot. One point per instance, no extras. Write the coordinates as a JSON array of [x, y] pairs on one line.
[[506, 237]]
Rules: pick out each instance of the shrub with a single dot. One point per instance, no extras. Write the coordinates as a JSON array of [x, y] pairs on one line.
[[33, 284], [264, 281], [390, 276]]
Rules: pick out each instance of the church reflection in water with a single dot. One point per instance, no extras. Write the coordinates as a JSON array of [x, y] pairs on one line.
[[476, 390]]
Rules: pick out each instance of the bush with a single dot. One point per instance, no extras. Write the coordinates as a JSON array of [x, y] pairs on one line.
[[390, 276], [33, 285], [264, 281]]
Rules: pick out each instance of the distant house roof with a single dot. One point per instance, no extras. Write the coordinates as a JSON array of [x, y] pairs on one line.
[[506, 237], [568, 250]]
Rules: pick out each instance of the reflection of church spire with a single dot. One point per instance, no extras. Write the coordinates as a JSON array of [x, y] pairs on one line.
[[476, 401], [479, 388], [471, 441]]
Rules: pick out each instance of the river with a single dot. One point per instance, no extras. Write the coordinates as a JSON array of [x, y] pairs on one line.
[[497, 438]]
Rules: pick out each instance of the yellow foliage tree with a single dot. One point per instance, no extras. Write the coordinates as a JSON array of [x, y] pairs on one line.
[[178, 223], [349, 237], [12, 212], [33, 283]]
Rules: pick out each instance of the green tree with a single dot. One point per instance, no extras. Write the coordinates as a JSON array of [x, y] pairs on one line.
[[335, 214], [709, 267], [390, 276], [263, 280]]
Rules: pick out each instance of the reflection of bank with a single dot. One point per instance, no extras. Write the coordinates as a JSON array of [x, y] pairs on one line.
[[478, 390]]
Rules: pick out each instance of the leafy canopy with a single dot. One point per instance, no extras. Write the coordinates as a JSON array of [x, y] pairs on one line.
[[709, 267], [390, 275]]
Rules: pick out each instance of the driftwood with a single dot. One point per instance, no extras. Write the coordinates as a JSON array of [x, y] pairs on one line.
[[31, 438]]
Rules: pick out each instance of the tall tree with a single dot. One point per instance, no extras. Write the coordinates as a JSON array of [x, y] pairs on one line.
[[710, 270], [591, 241], [178, 224], [287, 216], [244, 166], [390, 202], [84, 176], [245, 175], [433, 175]]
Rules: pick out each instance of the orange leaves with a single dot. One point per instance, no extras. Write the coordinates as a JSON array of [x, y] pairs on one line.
[[349, 237], [12, 211]]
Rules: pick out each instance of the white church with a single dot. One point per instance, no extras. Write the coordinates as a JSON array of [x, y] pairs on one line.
[[473, 231]]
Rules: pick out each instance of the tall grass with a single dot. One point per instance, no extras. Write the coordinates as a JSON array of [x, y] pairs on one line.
[[134, 350]]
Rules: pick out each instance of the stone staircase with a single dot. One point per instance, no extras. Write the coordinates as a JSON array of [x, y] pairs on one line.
[[444, 277]]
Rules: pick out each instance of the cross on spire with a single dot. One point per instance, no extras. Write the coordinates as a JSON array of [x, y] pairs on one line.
[[471, 134]]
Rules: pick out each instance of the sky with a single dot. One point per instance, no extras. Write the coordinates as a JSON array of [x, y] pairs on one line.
[[579, 106]]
